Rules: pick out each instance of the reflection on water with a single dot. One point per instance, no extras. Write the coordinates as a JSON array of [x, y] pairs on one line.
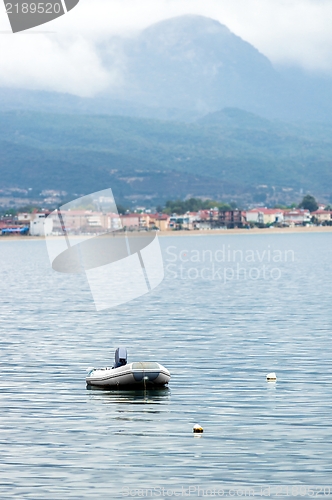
[[218, 339], [156, 395]]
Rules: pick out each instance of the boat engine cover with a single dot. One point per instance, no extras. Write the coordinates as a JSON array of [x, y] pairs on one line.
[[120, 357]]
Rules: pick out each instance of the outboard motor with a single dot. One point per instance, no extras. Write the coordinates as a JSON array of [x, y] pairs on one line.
[[120, 357]]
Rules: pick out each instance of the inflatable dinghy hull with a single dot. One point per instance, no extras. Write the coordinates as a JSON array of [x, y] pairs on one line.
[[137, 374]]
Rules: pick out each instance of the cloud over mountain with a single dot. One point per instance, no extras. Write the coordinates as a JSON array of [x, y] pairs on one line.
[[65, 54], [191, 63]]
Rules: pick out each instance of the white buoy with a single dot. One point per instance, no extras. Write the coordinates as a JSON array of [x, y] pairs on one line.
[[271, 377], [197, 428]]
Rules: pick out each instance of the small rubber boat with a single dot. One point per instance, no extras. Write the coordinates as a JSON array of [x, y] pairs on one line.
[[133, 375]]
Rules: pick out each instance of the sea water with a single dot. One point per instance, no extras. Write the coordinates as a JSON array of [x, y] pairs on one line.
[[231, 309]]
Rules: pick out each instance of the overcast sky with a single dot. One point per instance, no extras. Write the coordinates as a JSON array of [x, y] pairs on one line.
[[64, 57]]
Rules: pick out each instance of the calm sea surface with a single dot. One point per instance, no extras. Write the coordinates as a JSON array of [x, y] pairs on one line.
[[230, 310]]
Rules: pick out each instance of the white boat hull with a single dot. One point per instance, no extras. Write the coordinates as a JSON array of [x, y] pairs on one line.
[[137, 374]]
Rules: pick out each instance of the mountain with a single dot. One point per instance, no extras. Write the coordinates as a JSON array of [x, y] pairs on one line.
[[195, 62], [200, 113], [60, 103], [234, 117], [238, 156], [183, 68]]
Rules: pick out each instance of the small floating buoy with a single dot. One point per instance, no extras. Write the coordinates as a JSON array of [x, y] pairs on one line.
[[197, 428], [271, 377]]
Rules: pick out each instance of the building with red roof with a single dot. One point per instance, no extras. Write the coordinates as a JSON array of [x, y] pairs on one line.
[[322, 215], [297, 216], [262, 215]]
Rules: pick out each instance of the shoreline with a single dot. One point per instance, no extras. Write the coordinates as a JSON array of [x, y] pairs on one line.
[[209, 232], [265, 231]]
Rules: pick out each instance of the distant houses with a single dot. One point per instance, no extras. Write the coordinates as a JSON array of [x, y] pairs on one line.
[[322, 216], [10, 225], [298, 216], [272, 216], [87, 221], [84, 221], [265, 215], [286, 217], [41, 225], [92, 222]]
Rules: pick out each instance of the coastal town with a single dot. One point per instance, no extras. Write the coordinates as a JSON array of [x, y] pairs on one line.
[[44, 222]]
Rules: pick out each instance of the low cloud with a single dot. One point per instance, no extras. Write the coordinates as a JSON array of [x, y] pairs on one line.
[[52, 63], [63, 55]]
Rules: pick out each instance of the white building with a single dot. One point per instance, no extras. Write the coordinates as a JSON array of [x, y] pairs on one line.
[[24, 217], [41, 225], [297, 216], [265, 215]]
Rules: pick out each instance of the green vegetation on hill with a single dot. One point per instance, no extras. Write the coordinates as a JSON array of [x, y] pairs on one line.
[[192, 205], [236, 154], [309, 203]]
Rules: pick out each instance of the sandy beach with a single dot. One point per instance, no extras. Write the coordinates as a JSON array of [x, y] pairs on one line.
[[267, 231], [209, 232]]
